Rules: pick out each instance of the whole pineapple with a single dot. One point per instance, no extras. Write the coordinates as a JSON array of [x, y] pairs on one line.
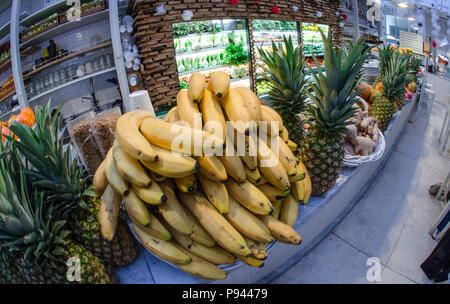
[[286, 78], [34, 245], [384, 56], [66, 185], [322, 150]]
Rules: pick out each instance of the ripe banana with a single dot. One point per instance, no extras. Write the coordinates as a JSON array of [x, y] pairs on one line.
[[237, 112], [285, 155], [166, 250], [219, 83], [299, 190], [162, 134], [216, 225], [213, 119], [251, 261], [253, 176], [129, 137], [307, 182], [100, 182], [215, 255], [197, 85], [258, 249], [249, 196], [173, 213], [155, 229], [199, 234], [292, 145], [212, 168], [299, 175], [289, 211], [252, 103], [272, 119], [234, 166], [188, 110], [272, 193], [152, 195], [172, 115], [187, 183], [247, 223], [200, 268], [172, 165], [215, 192], [112, 175], [136, 208], [129, 168], [263, 181], [246, 147], [284, 135], [277, 207], [109, 212], [156, 177], [270, 166], [280, 231]]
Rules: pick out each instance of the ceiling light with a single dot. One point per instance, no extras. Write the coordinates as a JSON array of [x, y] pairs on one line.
[[411, 19], [403, 4]]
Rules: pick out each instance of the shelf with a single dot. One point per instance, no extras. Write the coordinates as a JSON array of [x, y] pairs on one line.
[[201, 51], [71, 83], [70, 56], [23, 53], [5, 29], [62, 28], [8, 95], [44, 13], [208, 34], [202, 69], [239, 79], [317, 55]]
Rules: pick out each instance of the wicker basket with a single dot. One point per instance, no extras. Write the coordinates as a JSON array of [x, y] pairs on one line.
[[356, 160]]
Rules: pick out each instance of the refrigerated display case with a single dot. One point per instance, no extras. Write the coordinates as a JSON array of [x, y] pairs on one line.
[[312, 42], [211, 46], [264, 32]]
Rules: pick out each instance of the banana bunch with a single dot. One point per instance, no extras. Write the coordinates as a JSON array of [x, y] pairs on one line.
[[197, 210]]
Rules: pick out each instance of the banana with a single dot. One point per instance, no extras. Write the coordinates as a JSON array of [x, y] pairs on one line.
[[251, 261], [249, 196], [237, 112], [162, 134], [188, 110], [272, 193], [301, 174], [247, 150], [109, 212], [284, 134], [263, 181], [234, 166], [215, 255], [212, 114], [187, 183], [113, 176], [197, 85], [277, 207], [252, 103], [199, 234], [166, 250], [270, 166], [100, 182], [136, 208], [129, 168], [172, 115], [285, 155], [152, 195], [200, 268], [289, 211], [299, 190], [216, 225], [173, 213], [156, 177], [280, 231], [215, 192], [155, 229], [129, 137], [212, 168], [253, 176], [292, 145], [219, 83], [307, 182], [247, 223], [272, 118], [258, 249], [172, 165]]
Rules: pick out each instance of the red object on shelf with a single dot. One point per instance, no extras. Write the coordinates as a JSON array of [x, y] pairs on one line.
[[275, 9], [234, 1], [434, 44], [344, 16]]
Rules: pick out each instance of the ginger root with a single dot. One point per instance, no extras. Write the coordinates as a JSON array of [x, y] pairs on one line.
[[363, 145], [363, 135]]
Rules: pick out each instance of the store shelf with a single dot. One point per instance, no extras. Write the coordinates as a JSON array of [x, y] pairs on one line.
[[239, 79], [317, 55], [217, 48], [64, 58], [103, 15], [71, 83], [8, 95], [209, 34], [5, 29], [44, 13], [203, 69]]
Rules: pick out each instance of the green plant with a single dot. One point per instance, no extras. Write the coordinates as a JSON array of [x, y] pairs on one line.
[[234, 53]]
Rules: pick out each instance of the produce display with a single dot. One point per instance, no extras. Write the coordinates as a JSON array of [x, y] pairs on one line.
[[7, 88]]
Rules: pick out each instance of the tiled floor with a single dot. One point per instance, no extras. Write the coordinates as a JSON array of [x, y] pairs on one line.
[[390, 222]]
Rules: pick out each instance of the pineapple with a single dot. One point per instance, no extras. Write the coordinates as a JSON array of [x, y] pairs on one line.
[[322, 150], [34, 245], [64, 184], [286, 78], [384, 56]]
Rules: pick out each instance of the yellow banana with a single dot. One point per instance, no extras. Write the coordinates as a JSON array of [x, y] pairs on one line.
[[112, 175], [270, 166], [166, 250], [129, 168], [100, 182], [155, 229], [299, 190], [156, 177], [253, 176], [246, 147], [219, 83], [276, 209], [199, 234], [129, 137], [136, 208], [285, 155], [188, 110], [289, 211], [212, 114], [280, 231], [272, 193], [247, 223], [258, 249], [284, 135], [187, 183], [249, 196], [234, 166], [197, 85], [271, 120], [172, 115], [307, 183], [108, 214], [237, 112], [152, 195], [252, 103], [212, 168], [251, 261], [292, 145], [215, 192], [299, 175], [216, 225]]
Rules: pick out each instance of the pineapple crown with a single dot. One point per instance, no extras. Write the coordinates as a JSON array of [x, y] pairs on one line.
[[385, 55], [396, 76], [335, 89], [51, 169], [286, 77]]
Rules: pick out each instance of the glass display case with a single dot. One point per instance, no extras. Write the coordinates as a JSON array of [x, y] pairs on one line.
[[211, 46], [312, 42], [264, 32]]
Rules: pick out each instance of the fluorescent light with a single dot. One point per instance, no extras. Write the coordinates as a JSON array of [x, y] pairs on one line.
[[411, 19], [402, 5]]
